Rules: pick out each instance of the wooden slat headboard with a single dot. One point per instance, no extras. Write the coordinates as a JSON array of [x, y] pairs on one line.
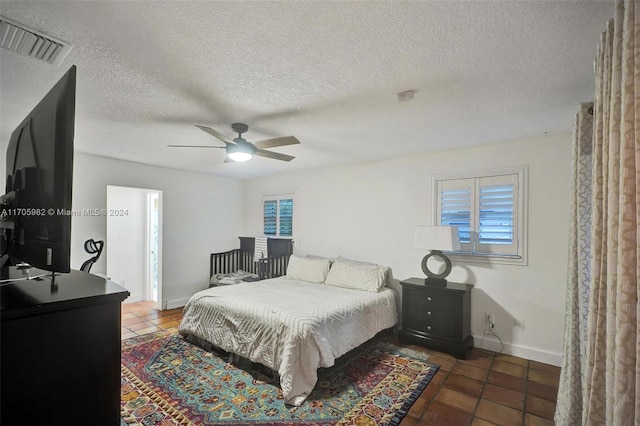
[[275, 246]]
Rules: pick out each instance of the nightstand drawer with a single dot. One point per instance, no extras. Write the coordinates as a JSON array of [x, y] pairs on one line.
[[439, 329], [434, 301]]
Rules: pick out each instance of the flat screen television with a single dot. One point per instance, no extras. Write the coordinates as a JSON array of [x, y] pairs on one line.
[[36, 208]]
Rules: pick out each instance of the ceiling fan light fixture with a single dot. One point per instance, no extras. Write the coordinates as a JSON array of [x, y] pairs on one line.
[[240, 150], [238, 154]]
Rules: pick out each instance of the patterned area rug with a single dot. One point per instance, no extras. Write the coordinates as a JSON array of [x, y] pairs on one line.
[[169, 381]]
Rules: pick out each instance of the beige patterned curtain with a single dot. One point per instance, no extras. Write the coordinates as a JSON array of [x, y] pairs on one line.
[[569, 404], [612, 376], [611, 379]]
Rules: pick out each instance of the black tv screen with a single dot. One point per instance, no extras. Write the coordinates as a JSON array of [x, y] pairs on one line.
[[39, 181]]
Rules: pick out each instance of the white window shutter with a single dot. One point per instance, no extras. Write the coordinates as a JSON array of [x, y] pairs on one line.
[[455, 208], [270, 217], [497, 214], [285, 216]]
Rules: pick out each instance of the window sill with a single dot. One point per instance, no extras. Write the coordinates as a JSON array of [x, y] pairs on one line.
[[493, 258]]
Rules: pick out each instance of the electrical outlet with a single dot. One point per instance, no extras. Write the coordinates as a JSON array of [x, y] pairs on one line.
[[518, 324], [488, 319]]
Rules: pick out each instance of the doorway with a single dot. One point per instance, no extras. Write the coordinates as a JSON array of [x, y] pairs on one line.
[[134, 241], [153, 244]]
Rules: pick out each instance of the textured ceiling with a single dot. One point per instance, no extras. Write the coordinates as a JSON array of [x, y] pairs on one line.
[[326, 72]]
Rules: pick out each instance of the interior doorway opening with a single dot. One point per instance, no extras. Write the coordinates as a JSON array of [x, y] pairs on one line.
[[153, 244], [134, 241]]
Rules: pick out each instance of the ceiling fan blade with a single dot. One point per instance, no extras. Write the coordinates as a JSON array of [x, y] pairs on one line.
[[196, 146], [217, 134], [274, 155], [273, 142]]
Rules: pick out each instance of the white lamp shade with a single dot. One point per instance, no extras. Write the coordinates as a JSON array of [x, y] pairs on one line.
[[239, 156], [444, 238]]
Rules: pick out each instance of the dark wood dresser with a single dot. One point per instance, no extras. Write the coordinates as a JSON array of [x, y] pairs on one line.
[[60, 353], [437, 317]]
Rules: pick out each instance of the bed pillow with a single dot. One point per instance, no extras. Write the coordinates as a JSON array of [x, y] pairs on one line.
[[306, 269], [314, 256], [357, 275], [385, 269]]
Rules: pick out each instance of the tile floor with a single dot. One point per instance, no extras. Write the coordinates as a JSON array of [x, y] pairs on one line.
[[143, 317], [484, 389]]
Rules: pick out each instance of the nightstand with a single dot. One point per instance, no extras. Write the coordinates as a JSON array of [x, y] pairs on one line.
[[437, 317]]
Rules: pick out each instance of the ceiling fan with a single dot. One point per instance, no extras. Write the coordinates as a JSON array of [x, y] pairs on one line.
[[239, 149]]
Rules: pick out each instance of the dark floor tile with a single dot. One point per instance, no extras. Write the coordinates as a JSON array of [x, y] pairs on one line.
[[509, 368], [410, 421], [540, 407], [133, 320], [504, 396], [127, 334], [441, 414], [547, 368], [550, 393], [170, 312], [445, 362], [423, 401], [456, 399], [464, 384], [426, 397], [480, 422], [531, 420], [165, 319], [499, 414], [506, 381], [512, 359], [440, 377], [479, 358], [468, 370], [150, 329], [170, 324], [139, 326], [545, 378], [150, 315]]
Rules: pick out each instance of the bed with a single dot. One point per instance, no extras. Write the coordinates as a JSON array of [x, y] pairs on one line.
[[296, 323]]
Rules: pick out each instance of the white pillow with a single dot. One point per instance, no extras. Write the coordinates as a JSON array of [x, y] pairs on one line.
[[313, 256], [385, 269], [306, 269], [357, 275]]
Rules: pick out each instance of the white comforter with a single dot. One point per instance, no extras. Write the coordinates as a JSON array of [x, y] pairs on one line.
[[293, 327]]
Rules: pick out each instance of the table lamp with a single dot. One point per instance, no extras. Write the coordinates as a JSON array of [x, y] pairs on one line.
[[437, 239]]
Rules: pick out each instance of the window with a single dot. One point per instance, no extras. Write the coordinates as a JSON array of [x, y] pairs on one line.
[[278, 215], [488, 209]]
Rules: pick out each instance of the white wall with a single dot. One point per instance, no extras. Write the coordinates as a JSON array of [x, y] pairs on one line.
[[369, 212], [126, 235], [201, 214], [3, 164]]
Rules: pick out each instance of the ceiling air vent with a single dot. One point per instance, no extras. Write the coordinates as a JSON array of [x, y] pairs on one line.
[[25, 41]]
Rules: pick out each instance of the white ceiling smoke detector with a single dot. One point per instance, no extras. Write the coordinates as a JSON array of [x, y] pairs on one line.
[[29, 42], [407, 95]]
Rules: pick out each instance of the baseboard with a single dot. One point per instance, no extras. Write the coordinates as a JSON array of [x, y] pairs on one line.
[[491, 343], [174, 304]]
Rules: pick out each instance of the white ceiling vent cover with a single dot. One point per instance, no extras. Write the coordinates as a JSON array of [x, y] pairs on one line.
[[25, 41]]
